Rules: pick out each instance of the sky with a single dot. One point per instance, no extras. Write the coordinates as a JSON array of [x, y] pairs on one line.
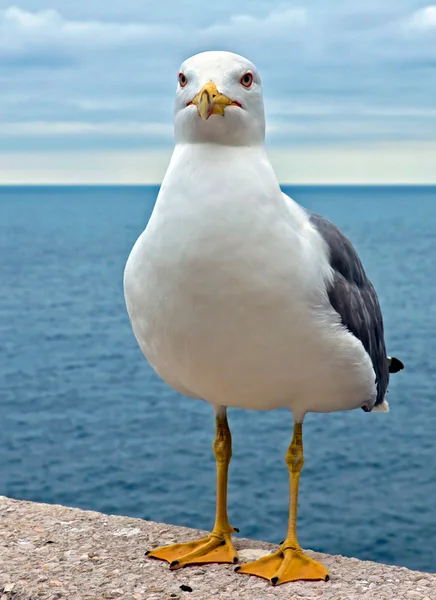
[[87, 87]]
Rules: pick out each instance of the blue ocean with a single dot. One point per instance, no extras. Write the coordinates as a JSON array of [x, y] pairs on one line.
[[86, 422]]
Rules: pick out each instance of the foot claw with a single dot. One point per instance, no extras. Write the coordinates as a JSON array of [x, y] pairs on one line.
[[274, 580], [174, 564], [147, 553], [237, 568]]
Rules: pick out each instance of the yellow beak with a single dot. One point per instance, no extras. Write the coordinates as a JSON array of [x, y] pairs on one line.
[[210, 102]]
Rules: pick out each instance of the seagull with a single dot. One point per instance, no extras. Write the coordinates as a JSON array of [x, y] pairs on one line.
[[240, 297]]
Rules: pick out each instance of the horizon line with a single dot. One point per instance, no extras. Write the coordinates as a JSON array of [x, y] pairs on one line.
[[140, 185]]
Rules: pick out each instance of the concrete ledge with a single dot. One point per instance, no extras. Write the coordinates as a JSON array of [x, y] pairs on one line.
[[55, 553]]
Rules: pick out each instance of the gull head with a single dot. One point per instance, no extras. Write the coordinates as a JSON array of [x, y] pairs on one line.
[[219, 100]]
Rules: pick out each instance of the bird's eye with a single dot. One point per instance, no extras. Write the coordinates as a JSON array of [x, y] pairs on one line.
[[183, 80], [247, 79]]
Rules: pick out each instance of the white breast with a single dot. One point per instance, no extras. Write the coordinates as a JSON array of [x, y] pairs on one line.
[[226, 293]]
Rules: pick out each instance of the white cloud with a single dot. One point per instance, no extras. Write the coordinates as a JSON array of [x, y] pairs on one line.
[[339, 108], [279, 22], [20, 29], [67, 128], [423, 19], [107, 104]]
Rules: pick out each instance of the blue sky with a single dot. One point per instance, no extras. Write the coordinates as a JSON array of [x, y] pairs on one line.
[[87, 86]]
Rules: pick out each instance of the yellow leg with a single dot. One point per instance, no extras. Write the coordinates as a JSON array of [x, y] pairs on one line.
[[289, 563], [216, 547]]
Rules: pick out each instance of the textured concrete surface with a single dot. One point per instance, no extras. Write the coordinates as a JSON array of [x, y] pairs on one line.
[[55, 553]]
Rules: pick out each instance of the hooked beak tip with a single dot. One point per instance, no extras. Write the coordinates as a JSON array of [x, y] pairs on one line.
[[205, 105], [209, 101]]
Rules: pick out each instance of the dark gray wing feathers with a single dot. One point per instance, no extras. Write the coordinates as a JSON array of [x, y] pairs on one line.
[[353, 297]]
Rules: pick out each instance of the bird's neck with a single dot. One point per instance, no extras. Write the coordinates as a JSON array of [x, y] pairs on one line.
[[199, 168], [213, 188], [221, 153]]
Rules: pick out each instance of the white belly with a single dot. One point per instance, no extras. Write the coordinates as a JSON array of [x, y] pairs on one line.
[[242, 320]]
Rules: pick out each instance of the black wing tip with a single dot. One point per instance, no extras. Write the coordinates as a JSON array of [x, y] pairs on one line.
[[395, 365]]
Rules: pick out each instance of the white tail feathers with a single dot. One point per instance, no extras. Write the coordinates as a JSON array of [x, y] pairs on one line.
[[383, 407]]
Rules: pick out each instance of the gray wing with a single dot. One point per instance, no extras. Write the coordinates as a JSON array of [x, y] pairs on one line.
[[353, 297]]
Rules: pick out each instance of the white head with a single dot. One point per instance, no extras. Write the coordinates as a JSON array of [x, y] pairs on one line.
[[219, 100]]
